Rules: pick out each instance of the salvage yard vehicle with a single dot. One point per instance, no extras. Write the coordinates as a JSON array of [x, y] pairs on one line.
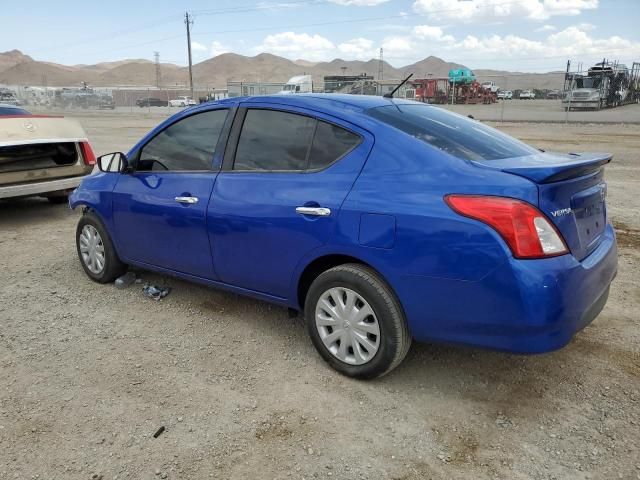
[[527, 95], [606, 84], [383, 220], [182, 102], [505, 94], [41, 156], [151, 102]]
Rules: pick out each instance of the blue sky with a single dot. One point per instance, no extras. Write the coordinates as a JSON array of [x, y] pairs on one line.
[[522, 35]]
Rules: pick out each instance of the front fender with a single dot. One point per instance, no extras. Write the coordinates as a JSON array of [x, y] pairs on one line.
[[94, 192]]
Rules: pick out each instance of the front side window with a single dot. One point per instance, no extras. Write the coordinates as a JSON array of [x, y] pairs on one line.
[[273, 140], [457, 135], [187, 145]]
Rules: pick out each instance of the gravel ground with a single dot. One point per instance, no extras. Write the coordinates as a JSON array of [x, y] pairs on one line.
[[88, 373]]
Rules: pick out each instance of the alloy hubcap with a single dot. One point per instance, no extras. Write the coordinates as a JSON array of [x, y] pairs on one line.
[[347, 326], [92, 249]]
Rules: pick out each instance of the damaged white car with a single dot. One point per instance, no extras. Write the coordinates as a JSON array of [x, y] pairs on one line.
[[41, 155]]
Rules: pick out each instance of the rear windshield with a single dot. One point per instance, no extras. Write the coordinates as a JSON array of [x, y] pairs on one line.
[[459, 136], [12, 111]]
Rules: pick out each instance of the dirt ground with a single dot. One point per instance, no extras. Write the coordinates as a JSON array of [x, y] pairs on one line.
[[88, 373]]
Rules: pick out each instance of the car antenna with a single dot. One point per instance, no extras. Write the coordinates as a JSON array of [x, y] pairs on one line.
[[390, 94]]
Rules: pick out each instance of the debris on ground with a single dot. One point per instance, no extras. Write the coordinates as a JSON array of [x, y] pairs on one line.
[[158, 432], [155, 292], [123, 281]]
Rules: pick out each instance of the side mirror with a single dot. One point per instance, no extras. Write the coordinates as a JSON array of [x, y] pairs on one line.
[[112, 162]]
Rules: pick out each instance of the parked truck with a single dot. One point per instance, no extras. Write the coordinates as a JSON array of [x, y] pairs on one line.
[[298, 84], [606, 84]]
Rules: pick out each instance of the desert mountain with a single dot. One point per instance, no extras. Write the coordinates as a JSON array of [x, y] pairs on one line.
[[19, 69], [12, 58]]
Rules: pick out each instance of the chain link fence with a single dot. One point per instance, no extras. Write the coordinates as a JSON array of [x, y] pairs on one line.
[[545, 98]]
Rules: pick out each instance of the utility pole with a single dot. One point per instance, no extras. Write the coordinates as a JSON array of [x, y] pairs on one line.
[[380, 66], [188, 22], [156, 56]]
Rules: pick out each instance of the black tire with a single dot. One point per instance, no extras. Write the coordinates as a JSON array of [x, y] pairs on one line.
[[395, 339], [57, 199], [113, 267]]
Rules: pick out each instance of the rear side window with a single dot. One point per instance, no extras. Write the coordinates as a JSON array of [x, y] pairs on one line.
[[187, 145], [329, 144], [457, 135], [272, 140]]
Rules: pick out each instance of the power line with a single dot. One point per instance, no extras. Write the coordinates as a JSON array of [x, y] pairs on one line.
[[123, 31], [260, 6], [257, 6], [353, 20]]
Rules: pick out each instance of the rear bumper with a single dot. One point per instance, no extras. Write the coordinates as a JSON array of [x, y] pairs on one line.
[[38, 188], [524, 306]]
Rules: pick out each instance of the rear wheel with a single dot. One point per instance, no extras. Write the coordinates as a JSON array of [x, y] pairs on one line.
[[95, 250], [355, 321]]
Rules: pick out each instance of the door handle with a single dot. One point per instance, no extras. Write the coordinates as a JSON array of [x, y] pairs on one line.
[[189, 200], [315, 211]]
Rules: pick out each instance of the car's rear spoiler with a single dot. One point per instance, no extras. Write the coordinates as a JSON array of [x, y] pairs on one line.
[[550, 167], [21, 130]]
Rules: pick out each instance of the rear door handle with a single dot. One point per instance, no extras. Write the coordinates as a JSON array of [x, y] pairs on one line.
[[189, 200], [315, 211]]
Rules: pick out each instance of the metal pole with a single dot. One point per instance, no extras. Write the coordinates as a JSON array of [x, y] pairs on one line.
[[188, 22], [566, 116], [453, 90], [504, 99]]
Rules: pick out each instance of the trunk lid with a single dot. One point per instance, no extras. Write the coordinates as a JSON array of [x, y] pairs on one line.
[[35, 148], [571, 193]]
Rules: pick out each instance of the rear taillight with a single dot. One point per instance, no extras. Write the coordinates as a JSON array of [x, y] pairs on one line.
[[87, 153], [526, 230]]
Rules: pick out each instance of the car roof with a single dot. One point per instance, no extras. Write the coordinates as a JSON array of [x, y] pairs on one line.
[[327, 102]]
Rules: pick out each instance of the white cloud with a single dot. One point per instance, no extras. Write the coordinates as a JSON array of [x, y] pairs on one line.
[[357, 48], [587, 27], [399, 47], [489, 10], [570, 42], [358, 3], [198, 47], [512, 52], [297, 45], [428, 32], [218, 48], [545, 28], [316, 47]]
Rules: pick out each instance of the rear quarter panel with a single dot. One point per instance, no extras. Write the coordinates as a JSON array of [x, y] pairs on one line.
[[433, 247]]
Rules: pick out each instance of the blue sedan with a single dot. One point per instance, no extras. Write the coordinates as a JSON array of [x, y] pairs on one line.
[[383, 220]]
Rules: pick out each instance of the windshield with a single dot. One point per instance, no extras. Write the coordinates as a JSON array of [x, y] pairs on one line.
[[452, 133], [588, 82], [288, 87]]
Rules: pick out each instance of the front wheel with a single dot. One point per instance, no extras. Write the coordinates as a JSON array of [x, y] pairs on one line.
[[355, 322], [95, 250]]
